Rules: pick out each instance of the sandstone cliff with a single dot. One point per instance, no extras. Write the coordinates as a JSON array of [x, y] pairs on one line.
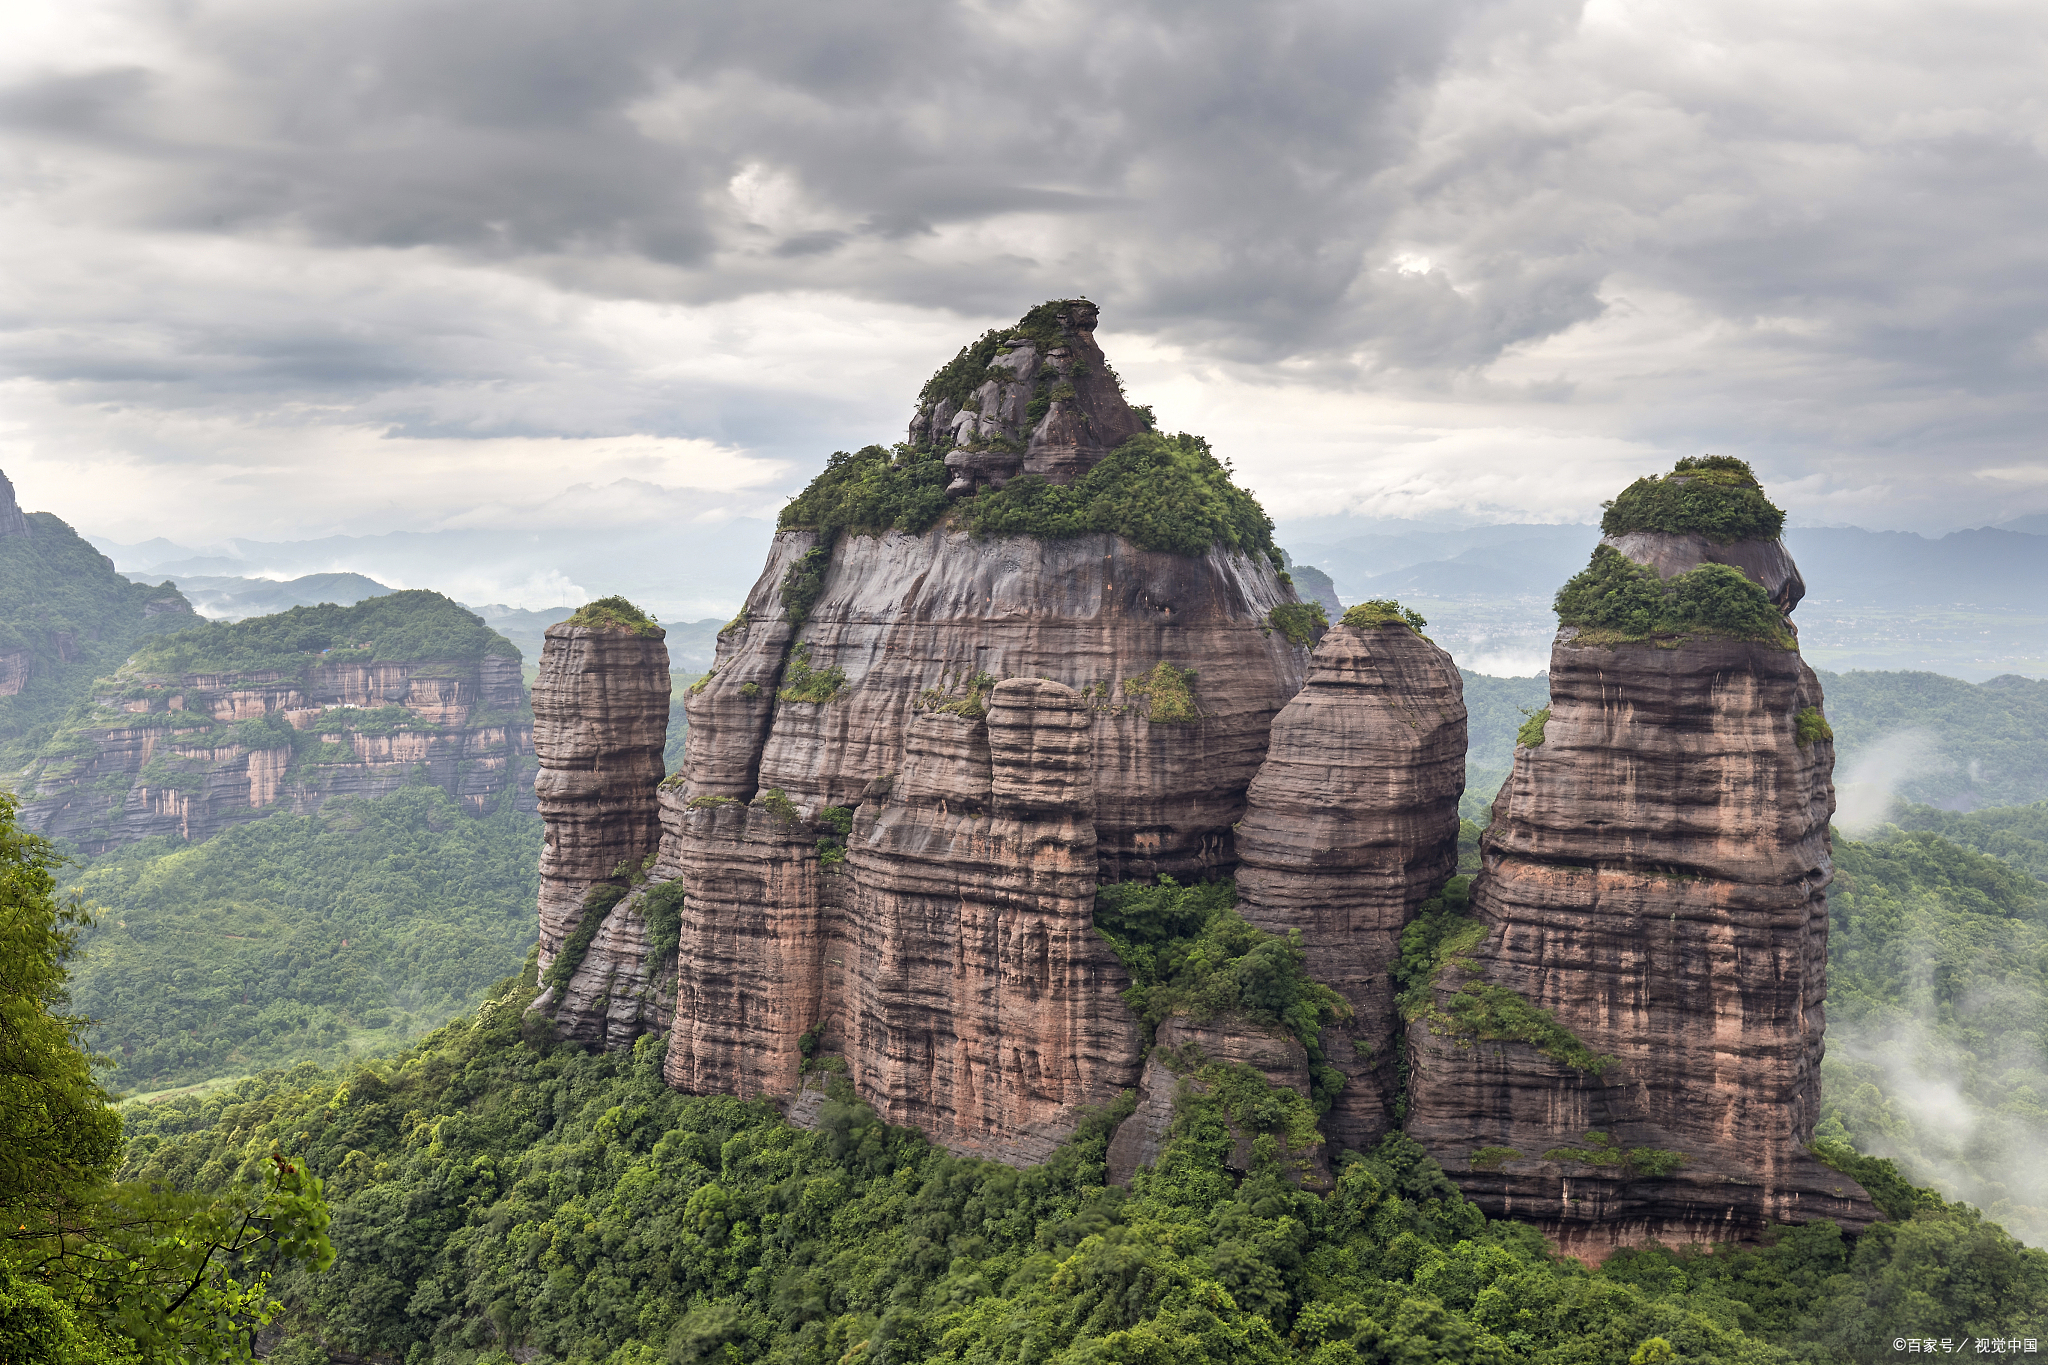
[[1655, 879], [186, 739], [1351, 823], [920, 748], [600, 710]]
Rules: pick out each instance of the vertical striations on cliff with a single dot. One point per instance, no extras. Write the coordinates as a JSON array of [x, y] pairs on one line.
[[1625, 1043], [600, 720], [956, 699], [1351, 823]]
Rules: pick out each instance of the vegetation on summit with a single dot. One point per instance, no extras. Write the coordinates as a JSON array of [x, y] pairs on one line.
[[614, 613], [1715, 495], [1167, 493], [1615, 600]]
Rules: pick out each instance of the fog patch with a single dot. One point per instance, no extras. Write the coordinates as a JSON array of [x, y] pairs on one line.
[[1510, 662], [1868, 791]]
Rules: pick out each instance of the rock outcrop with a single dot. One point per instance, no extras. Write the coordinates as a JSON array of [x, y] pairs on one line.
[[1655, 878], [1351, 823], [1181, 1047], [600, 719], [188, 755], [1164, 669], [12, 522], [1047, 403]]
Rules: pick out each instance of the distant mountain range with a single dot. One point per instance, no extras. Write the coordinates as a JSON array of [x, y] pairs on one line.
[[1972, 604]]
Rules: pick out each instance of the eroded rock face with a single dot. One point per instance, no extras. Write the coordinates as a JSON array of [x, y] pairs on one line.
[[992, 436], [466, 725], [1656, 876], [950, 959], [623, 986], [1767, 563], [906, 614], [600, 719], [1351, 823]]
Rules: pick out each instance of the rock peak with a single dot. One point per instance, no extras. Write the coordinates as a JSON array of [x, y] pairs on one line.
[[1037, 398], [12, 522]]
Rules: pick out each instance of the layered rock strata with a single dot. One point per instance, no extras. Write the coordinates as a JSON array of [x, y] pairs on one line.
[[1166, 673], [600, 720], [1655, 877], [1351, 823], [950, 961], [178, 755]]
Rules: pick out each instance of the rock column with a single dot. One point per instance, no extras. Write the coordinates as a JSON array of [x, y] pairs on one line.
[[1655, 878], [1351, 824], [600, 721]]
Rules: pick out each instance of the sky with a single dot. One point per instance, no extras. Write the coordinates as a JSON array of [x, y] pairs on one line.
[[279, 269]]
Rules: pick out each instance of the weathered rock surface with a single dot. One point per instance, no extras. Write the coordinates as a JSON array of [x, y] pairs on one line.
[[138, 767], [1185, 1044], [1351, 823], [600, 719], [950, 960], [1766, 563], [906, 614], [991, 437], [12, 522], [622, 987], [1656, 876]]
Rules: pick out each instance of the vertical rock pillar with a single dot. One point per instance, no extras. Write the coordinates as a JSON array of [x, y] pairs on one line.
[[1351, 823], [600, 721], [1655, 882]]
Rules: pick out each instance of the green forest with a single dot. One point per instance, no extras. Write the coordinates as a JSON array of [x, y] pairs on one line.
[[292, 938], [493, 1190], [68, 618], [412, 625]]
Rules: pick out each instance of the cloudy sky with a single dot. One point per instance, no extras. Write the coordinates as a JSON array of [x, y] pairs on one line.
[[286, 269]]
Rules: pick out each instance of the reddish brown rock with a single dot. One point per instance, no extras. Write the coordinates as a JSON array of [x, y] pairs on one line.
[[951, 960], [903, 614], [1656, 876], [135, 767], [1351, 823], [600, 719]]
